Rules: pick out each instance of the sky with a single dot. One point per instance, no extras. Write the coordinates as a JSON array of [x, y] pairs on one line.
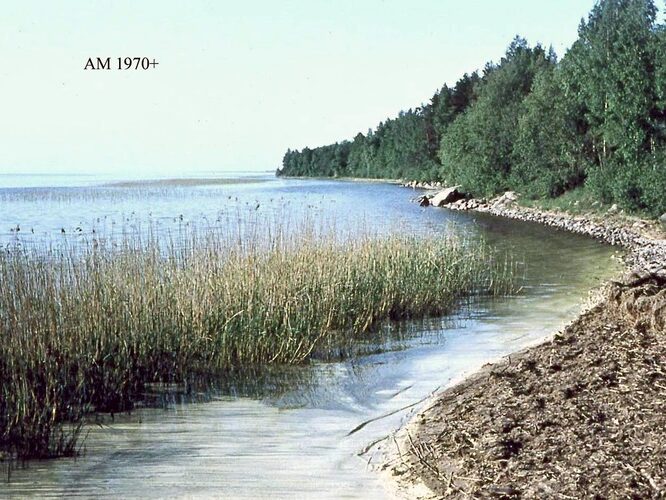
[[237, 82]]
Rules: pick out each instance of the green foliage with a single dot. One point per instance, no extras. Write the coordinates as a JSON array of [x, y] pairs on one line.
[[658, 114], [477, 148], [325, 161], [548, 152], [446, 105], [637, 186], [577, 200], [533, 124], [401, 147], [614, 73], [610, 67]]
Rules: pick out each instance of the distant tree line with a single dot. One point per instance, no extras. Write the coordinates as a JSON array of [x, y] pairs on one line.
[[534, 124]]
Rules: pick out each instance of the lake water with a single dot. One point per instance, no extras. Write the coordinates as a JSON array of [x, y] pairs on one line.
[[286, 434]]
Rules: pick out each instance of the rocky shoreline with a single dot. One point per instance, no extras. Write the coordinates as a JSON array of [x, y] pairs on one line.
[[645, 240], [581, 415]]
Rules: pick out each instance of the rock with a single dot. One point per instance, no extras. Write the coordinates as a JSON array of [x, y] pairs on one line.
[[446, 196], [506, 199], [423, 201], [613, 208], [662, 219]]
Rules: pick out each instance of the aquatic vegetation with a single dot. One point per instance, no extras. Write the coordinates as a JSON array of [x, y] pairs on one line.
[[85, 328], [188, 182], [127, 190]]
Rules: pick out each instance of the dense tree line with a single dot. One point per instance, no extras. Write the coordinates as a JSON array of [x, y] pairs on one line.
[[534, 124]]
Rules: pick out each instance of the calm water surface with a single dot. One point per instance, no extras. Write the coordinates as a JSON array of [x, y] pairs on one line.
[[287, 434]]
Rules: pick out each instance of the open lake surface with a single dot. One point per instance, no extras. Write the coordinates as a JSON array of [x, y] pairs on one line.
[[286, 434]]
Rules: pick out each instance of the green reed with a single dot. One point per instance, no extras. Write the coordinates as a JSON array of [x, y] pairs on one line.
[[84, 329]]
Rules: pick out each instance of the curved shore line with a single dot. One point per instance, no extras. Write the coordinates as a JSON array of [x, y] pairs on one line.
[[510, 429]]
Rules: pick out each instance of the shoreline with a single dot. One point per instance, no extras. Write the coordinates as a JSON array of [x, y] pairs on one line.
[[425, 460], [643, 239], [370, 180]]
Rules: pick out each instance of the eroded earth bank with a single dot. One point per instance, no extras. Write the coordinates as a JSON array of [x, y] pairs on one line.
[[582, 415]]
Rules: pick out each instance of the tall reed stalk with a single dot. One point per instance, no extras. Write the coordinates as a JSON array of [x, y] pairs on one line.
[[83, 329]]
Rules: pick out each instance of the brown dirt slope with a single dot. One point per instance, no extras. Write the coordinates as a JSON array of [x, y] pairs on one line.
[[581, 416]]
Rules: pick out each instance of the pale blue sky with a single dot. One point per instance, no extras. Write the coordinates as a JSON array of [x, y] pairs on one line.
[[238, 82]]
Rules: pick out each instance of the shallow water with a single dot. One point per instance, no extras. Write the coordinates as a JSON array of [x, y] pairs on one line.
[[286, 435]]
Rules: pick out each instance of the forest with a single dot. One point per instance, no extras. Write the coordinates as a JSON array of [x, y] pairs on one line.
[[593, 120]]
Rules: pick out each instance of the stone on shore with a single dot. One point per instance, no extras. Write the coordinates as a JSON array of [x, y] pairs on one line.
[[507, 198], [446, 196], [423, 201], [422, 185], [662, 219]]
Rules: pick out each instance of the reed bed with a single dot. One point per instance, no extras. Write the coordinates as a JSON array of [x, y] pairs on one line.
[[84, 329], [157, 189]]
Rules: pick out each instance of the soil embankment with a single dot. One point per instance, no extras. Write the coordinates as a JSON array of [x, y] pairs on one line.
[[582, 415]]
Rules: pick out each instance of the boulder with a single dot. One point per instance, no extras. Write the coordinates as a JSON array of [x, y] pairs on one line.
[[446, 196], [662, 219], [424, 201], [505, 199]]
